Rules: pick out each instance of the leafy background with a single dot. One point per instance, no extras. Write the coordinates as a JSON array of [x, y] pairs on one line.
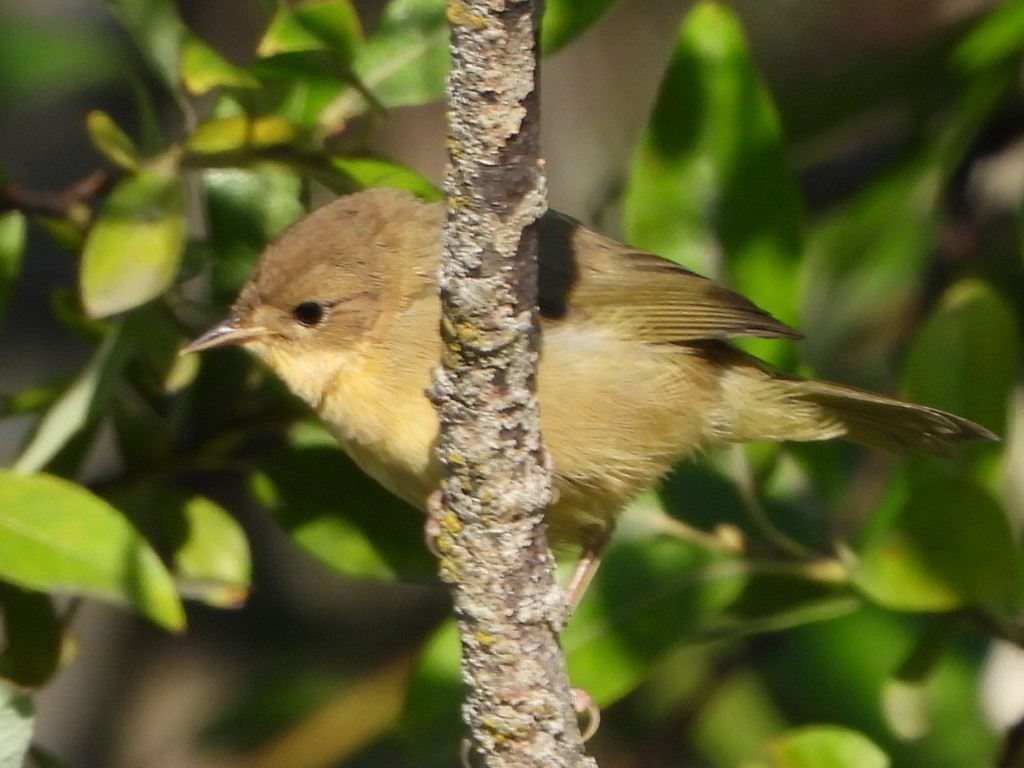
[[190, 574]]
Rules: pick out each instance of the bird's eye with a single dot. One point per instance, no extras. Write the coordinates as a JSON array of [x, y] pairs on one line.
[[309, 313]]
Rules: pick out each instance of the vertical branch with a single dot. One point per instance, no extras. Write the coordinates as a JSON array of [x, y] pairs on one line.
[[497, 483]]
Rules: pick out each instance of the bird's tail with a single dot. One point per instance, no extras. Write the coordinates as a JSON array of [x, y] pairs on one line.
[[763, 405]]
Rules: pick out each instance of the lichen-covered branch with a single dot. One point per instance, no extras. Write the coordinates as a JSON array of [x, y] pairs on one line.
[[490, 530]]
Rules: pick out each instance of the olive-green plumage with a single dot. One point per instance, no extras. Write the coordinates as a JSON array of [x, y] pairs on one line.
[[635, 371]]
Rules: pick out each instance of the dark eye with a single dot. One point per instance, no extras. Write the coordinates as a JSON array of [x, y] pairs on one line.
[[309, 313]]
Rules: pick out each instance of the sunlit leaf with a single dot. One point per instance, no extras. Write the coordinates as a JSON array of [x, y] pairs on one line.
[[405, 59], [709, 179], [334, 22], [56, 536], [363, 172], [949, 546], [17, 718], [79, 405], [240, 133], [212, 563], [12, 246], [648, 596], [134, 249], [109, 139], [565, 20], [342, 516], [287, 35], [203, 69], [999, 36], [821, 747], [966, 357]]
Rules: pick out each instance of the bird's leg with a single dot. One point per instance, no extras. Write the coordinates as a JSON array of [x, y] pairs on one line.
[[582, 575]]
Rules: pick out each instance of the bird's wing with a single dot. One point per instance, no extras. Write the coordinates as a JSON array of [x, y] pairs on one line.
[[586, 274]]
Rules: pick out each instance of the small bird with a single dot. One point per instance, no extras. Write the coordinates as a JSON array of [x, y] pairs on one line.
[[635, 372]]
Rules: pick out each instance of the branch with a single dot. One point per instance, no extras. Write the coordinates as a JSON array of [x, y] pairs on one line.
[[519, 706]]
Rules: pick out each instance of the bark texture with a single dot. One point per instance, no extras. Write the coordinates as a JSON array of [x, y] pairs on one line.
[[489, 517]]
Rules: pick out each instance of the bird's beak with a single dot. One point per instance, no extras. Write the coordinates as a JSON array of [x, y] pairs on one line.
[[229, 332]]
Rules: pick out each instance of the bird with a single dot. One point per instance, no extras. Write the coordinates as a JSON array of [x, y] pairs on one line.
[[636, 371]]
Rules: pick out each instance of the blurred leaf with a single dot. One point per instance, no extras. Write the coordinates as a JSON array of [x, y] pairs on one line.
[[364, 172], [206, 547], [770, 602], [999, 36], [240, 134], [431, 724], [48, 58], [950, 545], [17, 719], [80, 404], [56, 536], [709, 176], [286, 34], [31, 650], [246, 209], [333, 22], [907, 695], [12, 246], [864, 269], [157, 30], [966, 356], [405, 60], [821, 746], [565, 20], [648, 596], [109, 139], [335, 511], [212, 564], [134, 248], [203, 69]]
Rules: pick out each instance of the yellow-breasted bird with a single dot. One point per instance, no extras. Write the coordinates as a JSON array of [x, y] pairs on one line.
[[635, 372]]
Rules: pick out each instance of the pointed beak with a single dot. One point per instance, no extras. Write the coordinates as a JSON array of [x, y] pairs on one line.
[[232, 331]]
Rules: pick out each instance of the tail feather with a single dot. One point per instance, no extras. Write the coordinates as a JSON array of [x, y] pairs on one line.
[[892, 425]]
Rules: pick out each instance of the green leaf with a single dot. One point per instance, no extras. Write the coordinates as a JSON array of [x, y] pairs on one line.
[[648, 596], [965, 358], [12, 246], [55, 55], [109, 139], [236, 134], [158, 32], [134, 249], [245, 210], [949, 546], [362, 172], [565, 20], [405, 59], [203, 69], [821, 746], [80, 405], [998, 37], [286, 34], [32, 636], [212, 564], [340, 515], [431, 723], [864, 272], [770, 602], [333, 22], [710, 175], [17, 719], [56, 536]]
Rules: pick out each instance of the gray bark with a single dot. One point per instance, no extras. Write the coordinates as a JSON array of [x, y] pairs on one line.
[[489, 516]]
